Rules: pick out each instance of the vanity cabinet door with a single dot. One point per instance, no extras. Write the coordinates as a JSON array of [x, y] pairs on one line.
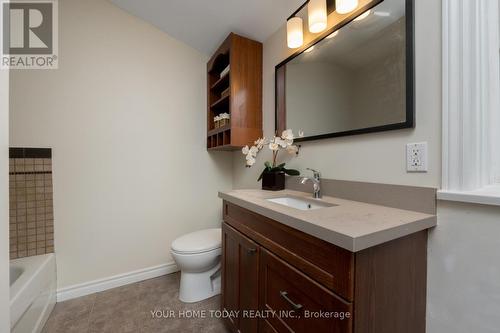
[[299, 300], [240, 261]]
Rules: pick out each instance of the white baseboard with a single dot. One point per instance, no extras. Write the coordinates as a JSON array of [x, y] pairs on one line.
[[95, 286]]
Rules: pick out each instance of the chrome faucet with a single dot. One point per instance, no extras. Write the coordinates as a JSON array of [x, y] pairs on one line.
[[316, 180]]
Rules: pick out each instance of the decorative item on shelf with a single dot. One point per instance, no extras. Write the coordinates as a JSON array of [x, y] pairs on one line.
[[273, 175], [217, 121], [224, 119], [225, 71], [225, 92]]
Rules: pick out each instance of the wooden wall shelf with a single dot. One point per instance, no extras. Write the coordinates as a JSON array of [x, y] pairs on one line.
[[218, 130], [221, 83], [237, 92], [221, 103]]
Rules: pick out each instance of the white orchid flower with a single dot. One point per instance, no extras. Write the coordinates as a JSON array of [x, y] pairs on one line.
[[287, 134], [281, 142], [292, 149], [301, 133], [274, 146], [253, 151], [250, 160], [260, 143]]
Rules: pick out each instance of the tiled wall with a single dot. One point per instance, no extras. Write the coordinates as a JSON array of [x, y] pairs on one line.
[[31, 208]]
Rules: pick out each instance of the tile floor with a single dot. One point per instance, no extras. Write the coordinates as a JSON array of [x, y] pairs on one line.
[[128, 309]]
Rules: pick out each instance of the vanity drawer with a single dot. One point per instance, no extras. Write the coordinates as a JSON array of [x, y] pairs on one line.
[[326, 263], [295, 297]]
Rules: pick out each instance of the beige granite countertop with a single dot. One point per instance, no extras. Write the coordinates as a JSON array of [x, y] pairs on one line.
[[352, 225]]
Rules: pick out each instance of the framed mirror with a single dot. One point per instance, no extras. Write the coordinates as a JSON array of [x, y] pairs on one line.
[[356, 78]]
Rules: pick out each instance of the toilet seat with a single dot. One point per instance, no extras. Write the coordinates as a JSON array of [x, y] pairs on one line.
[[198, 242]]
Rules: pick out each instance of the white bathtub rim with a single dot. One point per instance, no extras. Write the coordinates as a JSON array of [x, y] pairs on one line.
[[33, 280], [29, 273], [36, 325], [47, 310]]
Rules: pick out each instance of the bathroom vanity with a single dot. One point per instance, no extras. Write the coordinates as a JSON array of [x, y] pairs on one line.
[[339, 266]]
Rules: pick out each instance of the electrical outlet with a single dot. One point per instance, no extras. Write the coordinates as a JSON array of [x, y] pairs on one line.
[[416, 157]]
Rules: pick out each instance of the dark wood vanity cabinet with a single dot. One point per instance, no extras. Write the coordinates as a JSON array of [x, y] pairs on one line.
[[241, 279], [268, 266]]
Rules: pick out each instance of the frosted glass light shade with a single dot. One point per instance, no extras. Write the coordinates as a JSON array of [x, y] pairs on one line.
[[317, 15], [294, 33], [345, 6]]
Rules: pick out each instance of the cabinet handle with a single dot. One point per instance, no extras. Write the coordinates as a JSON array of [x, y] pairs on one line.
[[251, 251], [295, 306]]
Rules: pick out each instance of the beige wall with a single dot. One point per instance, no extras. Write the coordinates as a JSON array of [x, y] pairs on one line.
[[4, 200], [463, 277], [125, 116]]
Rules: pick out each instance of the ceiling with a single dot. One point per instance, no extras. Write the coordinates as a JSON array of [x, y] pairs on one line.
[[204, 24]]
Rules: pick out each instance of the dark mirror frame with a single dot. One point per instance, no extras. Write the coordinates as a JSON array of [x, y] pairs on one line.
[[280, 71]]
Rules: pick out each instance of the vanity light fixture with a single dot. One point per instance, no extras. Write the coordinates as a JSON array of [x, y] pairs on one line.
[[345, 6], [317, 19], [363, 16], [317, 16], [333, 34], [294, 33]]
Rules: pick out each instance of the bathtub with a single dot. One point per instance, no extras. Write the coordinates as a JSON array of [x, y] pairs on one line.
[[32, 292]]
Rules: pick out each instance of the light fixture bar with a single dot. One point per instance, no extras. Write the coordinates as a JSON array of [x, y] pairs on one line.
[[330, 8], [346, 6], [298, 10]]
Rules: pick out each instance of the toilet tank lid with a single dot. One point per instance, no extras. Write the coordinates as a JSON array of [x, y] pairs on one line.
[[198, 241]]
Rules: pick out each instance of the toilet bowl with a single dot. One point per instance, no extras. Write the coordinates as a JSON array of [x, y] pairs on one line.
[[198, 256]]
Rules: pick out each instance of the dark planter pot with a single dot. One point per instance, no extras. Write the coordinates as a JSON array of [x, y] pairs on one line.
[[273, 181]]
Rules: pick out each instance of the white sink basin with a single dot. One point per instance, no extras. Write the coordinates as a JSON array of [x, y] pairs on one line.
[[300, 203]]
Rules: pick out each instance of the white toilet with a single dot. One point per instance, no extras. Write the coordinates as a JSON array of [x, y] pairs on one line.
[[198, 256]]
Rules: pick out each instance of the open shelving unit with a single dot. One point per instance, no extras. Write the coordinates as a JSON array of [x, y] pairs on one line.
[[237, 92]]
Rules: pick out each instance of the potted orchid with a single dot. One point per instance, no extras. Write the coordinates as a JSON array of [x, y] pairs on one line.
[[273, 175]]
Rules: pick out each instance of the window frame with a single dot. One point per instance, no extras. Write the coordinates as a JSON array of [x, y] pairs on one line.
[[471, 102]]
